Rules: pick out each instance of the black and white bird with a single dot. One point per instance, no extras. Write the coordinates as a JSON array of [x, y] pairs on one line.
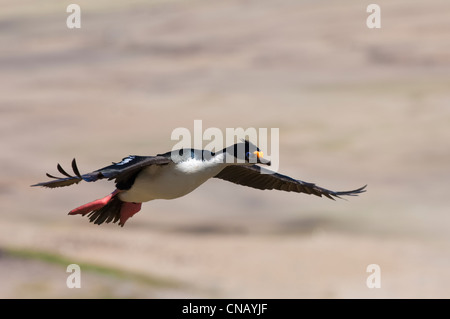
[[176, 173]]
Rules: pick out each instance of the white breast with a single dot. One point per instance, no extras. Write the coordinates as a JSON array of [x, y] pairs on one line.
[[171, 181]]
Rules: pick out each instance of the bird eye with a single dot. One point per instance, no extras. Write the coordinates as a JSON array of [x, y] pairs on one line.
[[247, 155]]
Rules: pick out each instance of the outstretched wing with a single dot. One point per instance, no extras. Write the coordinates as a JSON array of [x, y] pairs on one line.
[[252, 176], [123, 172]]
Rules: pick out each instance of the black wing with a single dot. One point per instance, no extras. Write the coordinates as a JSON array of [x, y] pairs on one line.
[[252, 176], [123, 172]]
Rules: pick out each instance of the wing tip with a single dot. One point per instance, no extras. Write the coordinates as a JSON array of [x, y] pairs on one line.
[[354, 192], [62, 181]]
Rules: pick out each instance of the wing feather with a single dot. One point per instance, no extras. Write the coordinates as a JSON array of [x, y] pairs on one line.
[[62, 171], [124, 173], [75, 168], [252, 176]]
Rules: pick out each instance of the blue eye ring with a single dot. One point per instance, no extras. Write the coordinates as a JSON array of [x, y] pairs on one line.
[[247, 154]]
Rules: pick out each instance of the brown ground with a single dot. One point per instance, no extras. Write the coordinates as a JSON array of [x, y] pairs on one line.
[[354, 106]]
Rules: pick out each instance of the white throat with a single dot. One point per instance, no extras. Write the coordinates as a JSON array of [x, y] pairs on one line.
[[210, 166]]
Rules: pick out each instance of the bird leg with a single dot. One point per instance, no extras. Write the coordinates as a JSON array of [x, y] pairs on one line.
[[127, 209]]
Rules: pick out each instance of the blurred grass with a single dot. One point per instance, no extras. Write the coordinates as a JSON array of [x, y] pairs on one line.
[[117, 273]]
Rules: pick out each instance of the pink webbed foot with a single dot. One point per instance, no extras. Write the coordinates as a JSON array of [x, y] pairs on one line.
[[96, 204], [128, 210], [107, 209]]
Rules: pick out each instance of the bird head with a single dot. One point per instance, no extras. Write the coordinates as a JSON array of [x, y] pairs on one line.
[[245, 153]]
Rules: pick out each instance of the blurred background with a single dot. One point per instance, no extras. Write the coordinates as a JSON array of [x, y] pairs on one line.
[[354, 106]]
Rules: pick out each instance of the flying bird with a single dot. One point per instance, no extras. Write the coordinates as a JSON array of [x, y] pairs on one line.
[[176, 173]]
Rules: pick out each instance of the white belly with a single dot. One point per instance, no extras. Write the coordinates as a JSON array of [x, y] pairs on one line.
[[169, 181]]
